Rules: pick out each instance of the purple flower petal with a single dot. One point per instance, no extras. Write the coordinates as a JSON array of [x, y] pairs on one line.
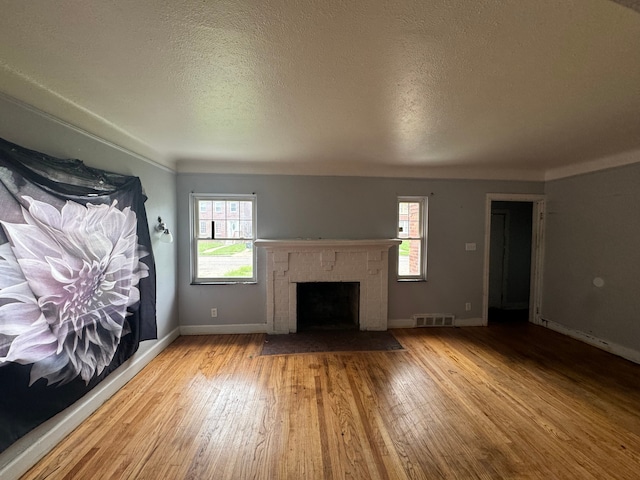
[[18, 318], [28, 242], [33, 346], [44, 214], [83, 265]]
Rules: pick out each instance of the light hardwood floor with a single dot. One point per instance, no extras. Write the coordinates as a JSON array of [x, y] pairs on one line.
[[499, 402]]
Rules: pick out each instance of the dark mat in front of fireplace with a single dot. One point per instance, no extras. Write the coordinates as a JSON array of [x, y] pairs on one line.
[[330, 341]]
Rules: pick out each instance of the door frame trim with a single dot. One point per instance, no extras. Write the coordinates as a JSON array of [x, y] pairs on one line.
[[537, 250]]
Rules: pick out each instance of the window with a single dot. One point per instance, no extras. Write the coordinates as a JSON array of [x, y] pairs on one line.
[[412, 228], [223, 244]]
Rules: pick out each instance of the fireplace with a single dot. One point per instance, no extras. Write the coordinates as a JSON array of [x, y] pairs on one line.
[[327, 306], [294, 262]]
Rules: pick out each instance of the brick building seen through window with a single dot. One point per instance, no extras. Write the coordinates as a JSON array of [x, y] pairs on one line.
[[411, 230]]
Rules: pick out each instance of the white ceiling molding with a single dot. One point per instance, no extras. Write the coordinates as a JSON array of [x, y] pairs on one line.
[[350, 169], [167, 166], [613, 161]]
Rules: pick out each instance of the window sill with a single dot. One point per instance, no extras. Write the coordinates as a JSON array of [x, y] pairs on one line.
[[411, 280]]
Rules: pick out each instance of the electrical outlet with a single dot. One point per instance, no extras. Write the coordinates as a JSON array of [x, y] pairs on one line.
[[467, 306], [214, 312]]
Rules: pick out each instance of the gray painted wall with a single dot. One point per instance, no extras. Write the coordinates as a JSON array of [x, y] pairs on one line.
[[28, 128], [348, 208], [593, 230]]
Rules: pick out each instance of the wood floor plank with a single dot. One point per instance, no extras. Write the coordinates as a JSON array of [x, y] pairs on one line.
[[512, 402]]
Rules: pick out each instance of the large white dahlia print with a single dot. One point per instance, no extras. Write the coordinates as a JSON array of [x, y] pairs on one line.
[[66, 279]]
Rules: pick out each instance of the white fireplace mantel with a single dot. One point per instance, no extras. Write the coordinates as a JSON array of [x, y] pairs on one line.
[[325, 243], [293, 261]]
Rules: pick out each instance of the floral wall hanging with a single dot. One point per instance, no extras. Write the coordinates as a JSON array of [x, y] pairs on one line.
[[77, 282]]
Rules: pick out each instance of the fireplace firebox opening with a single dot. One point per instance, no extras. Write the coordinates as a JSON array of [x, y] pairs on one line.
[[328, 306]]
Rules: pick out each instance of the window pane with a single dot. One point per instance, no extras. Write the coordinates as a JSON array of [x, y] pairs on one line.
[[403, 229], [408, 219], [205, 208], [205, 229], [220, 229], [246, 211], [232, 228], [225, 259], [414, 219], [409, 259], [229, 229], [246, 229]]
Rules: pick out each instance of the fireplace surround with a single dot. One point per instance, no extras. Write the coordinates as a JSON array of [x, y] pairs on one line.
[[290, 262]]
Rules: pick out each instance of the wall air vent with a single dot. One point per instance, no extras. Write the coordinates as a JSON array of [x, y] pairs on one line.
[[434, 319]]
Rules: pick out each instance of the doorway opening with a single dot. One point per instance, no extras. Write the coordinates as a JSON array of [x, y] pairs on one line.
[[513, 258], [510, 261]]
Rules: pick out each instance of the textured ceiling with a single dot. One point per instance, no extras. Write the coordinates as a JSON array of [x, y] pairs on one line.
[[490, 89]]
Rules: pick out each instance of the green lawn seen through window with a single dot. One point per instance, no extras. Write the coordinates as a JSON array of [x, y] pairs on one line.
[[204, 246], [214, 248], [404, 248], [244, 271]]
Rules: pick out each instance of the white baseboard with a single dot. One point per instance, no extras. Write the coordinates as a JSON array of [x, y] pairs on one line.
[[28, 450], [468, 322], [624, 352], [401, 323], [223, 329]]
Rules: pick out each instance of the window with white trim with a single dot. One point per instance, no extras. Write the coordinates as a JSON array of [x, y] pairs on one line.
[[223, 238], [412, 230]]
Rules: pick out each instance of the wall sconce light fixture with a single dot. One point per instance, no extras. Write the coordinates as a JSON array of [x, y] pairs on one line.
[[163, 232]]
